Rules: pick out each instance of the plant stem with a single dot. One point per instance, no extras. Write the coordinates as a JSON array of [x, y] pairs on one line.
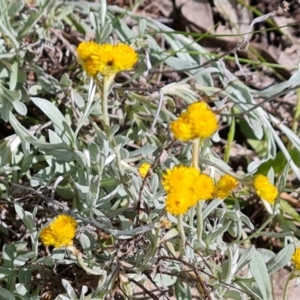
[[106, 84], [181, 233], [195, 153], [199, 222], [104, 87], [196, 148], [256, 233], [286, 286]]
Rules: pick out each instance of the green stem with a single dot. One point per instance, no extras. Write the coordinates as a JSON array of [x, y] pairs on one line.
[[104, 87], [286, 286], [191, 216], [195, 157], [199, 222], [195, 153], [181, 233], [106, 84], [253, 235]]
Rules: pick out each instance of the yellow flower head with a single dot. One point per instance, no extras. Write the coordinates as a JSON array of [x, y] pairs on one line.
[[60, 232], [296, 259], [178, 202], [265, 189], [85, 50], [85, 53], [181, 177], [203, 120], [184, 187], [203, 187], [143, 169], [181, 128], [106, 59], [199, 121], [224, 186]]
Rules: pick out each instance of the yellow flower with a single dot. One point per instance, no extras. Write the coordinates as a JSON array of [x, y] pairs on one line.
[[202, 119], [265, 189], [60, 232], [114, 59], [178, 202], [181, 128], [143, 169], [199, 121], [181, 177], [184, 187], [85, 50], [85, 53], [203, 187], [178, 183], [106, 59], [224, 186], [296, 259]]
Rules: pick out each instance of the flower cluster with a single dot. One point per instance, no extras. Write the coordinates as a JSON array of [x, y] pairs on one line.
[[184, 187], [265, 189], [296, 259], [199, 121], [143, 169], [224, 186], [106, 59], [60, 232]]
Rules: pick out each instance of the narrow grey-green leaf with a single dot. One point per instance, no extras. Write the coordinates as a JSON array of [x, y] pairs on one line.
[[53, 113], [233, 295], [65, 80], [249, 288], [80, 158], [246, 257], [69, 289], [85, 242], [144, 151], [217, 233], [260, 274], [20, 107], [8, 255], [5, 109], [15, 7], [5, 294], [13, 75], [281, 259]]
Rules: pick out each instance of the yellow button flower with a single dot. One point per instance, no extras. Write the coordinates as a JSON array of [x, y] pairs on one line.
[[203, 120], [85, 53], [203, 187], [182, 129], [265, 189], [178, 202], [184, 187], [106, 59], [199, 121], [296, 259], [60, 232], [143, 169], [181, 177], [224, 186]]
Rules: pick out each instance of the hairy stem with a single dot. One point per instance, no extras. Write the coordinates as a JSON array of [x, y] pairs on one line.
[[104, 88], [181, 233]]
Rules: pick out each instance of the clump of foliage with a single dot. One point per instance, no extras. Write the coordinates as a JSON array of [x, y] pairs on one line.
[[94, 144]]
